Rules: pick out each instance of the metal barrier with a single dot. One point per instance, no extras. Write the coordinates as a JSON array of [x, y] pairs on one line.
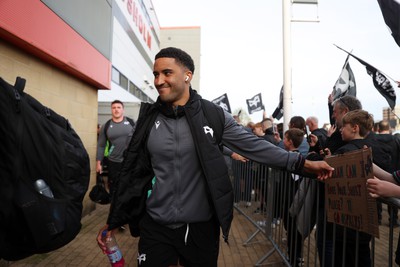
[[288, 211]]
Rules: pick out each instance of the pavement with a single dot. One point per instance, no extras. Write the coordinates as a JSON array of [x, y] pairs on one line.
[[83, 250]]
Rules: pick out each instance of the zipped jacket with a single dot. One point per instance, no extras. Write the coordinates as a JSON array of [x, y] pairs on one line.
[[129, 201]]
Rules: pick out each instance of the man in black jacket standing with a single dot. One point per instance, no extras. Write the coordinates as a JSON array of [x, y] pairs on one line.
[[174, 187]]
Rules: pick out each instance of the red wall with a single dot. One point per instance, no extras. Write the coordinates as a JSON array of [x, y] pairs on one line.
[[34, 27]]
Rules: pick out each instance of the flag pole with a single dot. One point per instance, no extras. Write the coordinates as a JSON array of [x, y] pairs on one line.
[[287, 68]]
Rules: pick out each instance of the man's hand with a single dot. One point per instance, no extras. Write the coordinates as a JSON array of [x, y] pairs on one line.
[[277, 137], [100, 240], [313, 140], [331, 130], [99, 168], [320, 168], [238, 157], [325, 152]]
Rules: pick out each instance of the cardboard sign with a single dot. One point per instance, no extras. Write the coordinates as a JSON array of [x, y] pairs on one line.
[[347, 201]]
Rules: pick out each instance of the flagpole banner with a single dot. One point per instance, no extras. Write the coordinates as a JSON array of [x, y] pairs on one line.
[[346, 83], [381, 83], [391, 15], [254, 104], [278, 113], [223, 102]]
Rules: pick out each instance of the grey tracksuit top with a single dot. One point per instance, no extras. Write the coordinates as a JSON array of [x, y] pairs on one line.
[[179, 194], [119, 133]]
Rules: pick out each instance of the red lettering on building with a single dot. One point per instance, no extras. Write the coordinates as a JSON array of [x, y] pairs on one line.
[[138, 21]]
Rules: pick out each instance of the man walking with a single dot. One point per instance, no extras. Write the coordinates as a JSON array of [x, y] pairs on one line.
[[174, 187], [114, 137]]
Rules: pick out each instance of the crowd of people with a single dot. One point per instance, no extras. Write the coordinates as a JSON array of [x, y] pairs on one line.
[[351, 128]]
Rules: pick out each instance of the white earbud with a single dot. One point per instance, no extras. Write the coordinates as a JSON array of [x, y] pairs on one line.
[[187, 78]]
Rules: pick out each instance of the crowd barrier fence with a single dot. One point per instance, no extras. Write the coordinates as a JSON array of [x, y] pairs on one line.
[[286, 209]]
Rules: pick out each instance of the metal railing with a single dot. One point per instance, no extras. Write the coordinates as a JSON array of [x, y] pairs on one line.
[[288, 211]]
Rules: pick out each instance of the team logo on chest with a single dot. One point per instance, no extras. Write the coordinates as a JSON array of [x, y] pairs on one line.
[[209, 130]]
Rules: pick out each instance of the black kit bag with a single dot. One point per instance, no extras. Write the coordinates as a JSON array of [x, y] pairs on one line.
[[37, 143], [99, 193]]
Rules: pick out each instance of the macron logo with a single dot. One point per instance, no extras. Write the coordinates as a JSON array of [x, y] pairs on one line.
[[157, 123], [209, 130]]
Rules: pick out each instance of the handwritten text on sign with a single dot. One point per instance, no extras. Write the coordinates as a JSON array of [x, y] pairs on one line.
[[346, 198]]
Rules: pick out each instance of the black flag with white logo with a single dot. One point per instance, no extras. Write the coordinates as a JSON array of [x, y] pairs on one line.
[[278, 113], [381, 83], [223, 102], [346, 83], [391, 14], [255, 104]]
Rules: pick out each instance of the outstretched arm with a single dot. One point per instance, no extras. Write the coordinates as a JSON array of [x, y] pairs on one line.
[[322, 169], [383, 175], [380, 188]]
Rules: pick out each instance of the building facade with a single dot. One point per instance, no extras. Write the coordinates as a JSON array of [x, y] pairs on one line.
[[135, 42], [79, 56], [392, 117], [53, 46]]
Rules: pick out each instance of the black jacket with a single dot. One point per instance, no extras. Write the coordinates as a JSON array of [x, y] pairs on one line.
[[128, 204]]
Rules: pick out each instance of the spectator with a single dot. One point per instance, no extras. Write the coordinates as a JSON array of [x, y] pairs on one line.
[[324, 233], [268, 129], [355, 126], [339, 108], [320, 133], [299, 123], [292, 140], [388, 141]]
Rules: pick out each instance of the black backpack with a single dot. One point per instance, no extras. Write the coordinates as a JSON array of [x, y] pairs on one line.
[[37, 143]]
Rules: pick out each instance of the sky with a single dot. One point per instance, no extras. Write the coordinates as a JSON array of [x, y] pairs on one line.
[[242, 51]]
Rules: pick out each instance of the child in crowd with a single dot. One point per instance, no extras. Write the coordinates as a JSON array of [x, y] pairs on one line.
[[292, 140], [356, 125]]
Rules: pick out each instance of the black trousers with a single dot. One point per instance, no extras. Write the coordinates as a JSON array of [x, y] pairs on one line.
[[193, 245]]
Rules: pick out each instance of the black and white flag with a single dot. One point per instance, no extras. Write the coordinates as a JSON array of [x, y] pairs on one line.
[[278, 113], [381, 83], [223, 102], [255, 104], [391, 14], [346, 83]]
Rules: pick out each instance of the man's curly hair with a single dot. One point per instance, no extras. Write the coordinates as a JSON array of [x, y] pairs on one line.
[[179, 55]]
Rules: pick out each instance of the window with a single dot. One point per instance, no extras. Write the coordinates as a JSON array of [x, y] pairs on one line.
[[115, 75], [123, 82], [129, 86]]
